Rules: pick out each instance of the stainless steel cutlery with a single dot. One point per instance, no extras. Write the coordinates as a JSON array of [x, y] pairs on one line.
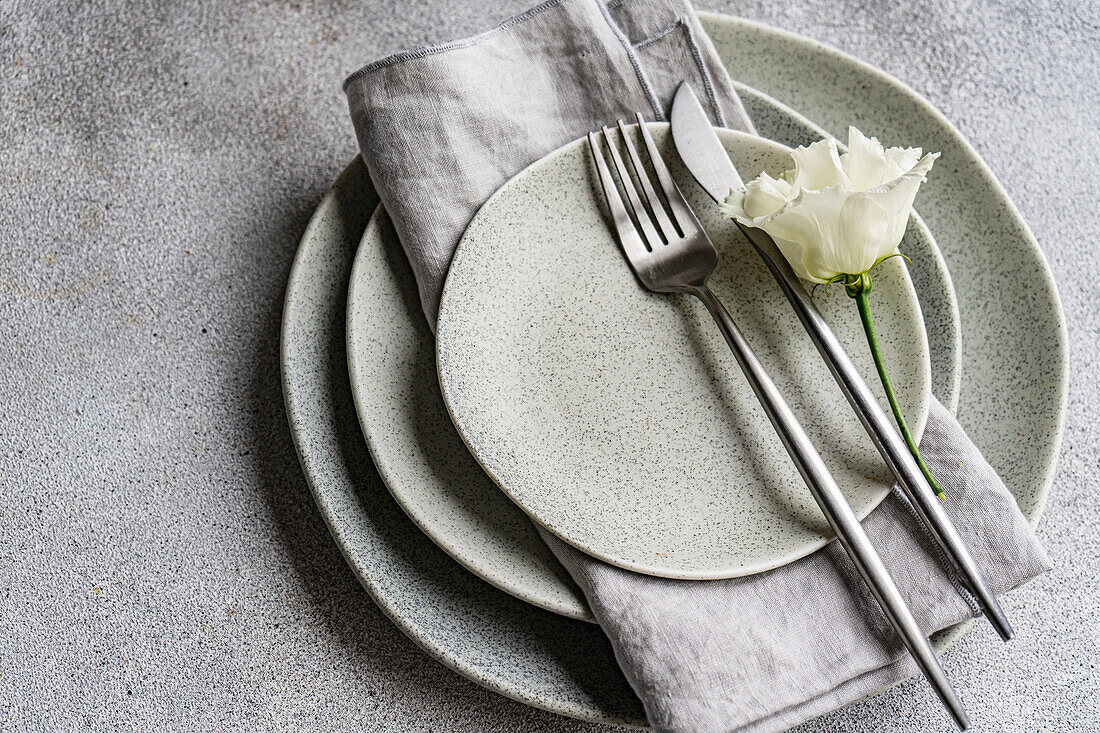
[[670, 252], [706, 159]]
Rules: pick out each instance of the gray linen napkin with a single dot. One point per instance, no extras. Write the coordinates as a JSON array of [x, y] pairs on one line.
[[440, 129]]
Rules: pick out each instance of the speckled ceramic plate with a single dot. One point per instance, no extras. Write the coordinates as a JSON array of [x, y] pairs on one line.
[[1014, 333], [1010, 313], [391, 363], [616, 417]]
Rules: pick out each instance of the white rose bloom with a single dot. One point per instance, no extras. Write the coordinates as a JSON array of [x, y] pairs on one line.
[[835, 214]]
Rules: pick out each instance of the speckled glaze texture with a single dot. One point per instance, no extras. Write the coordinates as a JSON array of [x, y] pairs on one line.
[[616, 417], [564, 665], [510, 646], [391, 363], [1014, 335], [391, 359], [1013, 401]]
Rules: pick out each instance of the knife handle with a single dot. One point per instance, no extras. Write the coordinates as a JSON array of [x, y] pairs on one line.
[[881, 431], [835, 507]]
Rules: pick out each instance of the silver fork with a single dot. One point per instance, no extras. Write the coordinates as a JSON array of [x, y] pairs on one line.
[[678, 257]]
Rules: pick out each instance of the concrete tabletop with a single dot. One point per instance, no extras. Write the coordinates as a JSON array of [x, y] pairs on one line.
[[162, 566]]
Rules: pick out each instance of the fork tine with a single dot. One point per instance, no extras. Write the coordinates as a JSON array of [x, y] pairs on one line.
[[649, 232], [680, 209], [650, 194], [629, 237]]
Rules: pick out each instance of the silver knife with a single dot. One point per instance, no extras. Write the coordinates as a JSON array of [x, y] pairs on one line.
[[706, 158]]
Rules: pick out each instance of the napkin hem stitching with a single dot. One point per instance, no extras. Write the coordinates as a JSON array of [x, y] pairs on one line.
[[422, 51], [948, 568], [643, 79], [708, 82], [696, 54], [659, 35]]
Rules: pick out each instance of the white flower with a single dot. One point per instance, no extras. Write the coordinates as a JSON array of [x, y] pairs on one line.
[[835, 214]]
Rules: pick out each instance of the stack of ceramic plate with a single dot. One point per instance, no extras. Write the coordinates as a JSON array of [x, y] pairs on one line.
[[458, 566]]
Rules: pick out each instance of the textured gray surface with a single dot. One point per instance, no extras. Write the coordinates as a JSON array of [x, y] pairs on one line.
[[161, 563]]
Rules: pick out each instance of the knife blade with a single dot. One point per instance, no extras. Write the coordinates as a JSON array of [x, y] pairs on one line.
[[699, 148]]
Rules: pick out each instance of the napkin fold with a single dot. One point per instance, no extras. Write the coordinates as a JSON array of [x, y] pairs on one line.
[[768, 651], [441, 128]]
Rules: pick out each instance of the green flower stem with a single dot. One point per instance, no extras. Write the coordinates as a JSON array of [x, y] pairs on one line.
[[859, 290]]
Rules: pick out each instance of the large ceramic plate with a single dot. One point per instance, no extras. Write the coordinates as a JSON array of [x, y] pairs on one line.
[[617, 417], [1008, 302], [1014, 333]]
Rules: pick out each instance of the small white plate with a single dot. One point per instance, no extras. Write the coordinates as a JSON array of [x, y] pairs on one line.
[[617, 418]]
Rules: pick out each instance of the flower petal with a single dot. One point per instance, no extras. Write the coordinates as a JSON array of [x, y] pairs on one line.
[[817, 166], [734, 207], [811, 223], [900, 161], [896, 199], [865, 162], [863, 225], [793, 252], [764, 194], [759, 197]]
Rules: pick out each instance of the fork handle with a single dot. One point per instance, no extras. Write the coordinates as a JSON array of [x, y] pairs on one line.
[[881, 430], [834, 506]]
